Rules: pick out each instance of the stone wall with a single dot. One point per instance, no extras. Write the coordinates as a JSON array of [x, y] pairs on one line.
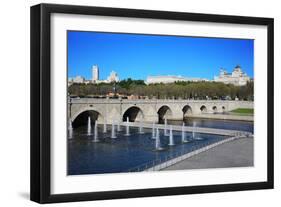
[[114, 109]]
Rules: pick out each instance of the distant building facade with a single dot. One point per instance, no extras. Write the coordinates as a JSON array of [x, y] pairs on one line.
[[170, 79], [78, 79], [237, 77], [113, 77]]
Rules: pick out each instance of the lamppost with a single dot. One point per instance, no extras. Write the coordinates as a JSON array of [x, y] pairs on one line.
[[70, 103], [114, 88]]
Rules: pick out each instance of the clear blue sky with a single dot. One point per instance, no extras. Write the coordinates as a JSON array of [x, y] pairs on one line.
[[137, 56]]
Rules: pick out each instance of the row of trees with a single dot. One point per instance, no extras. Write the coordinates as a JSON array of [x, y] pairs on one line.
[[184, 90]]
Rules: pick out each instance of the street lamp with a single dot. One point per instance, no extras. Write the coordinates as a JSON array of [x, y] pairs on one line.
[[114, 88], [70, 103]]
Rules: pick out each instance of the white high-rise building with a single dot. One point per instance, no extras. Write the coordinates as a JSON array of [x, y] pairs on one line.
[[95, 73]]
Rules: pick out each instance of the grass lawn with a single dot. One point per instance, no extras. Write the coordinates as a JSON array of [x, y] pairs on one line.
[[243, 111]]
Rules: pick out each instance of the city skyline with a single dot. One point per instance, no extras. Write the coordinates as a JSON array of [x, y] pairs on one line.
[[139, 56]]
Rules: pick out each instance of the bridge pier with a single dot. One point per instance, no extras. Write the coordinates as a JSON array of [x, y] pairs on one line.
[[177, 113], [151, 119]]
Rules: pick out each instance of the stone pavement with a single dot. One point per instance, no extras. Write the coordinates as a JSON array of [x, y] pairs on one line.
[[237, 153]]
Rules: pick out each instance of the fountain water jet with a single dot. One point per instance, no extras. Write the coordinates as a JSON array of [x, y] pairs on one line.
[[118, 127], [157, 141], [70, 129], [193, 133], [127, 127], [171, 137], [104, 126], [113, 135], [194, 137], [89, 126], [153, 131], [183, 137], [96, 139], [141, 128], [165, 129]]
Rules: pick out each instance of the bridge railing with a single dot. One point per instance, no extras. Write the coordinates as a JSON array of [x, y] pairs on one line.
[[98, 100], [153, 163]]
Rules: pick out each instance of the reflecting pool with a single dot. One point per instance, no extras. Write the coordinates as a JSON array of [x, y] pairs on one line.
[[217, 123], [135, 151], [125, 153]]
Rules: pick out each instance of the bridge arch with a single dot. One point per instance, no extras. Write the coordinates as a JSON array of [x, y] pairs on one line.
[[187, 110], [164, 112], [81, 119], [203, 109], [75, 113], [134, 113], [215, 109]]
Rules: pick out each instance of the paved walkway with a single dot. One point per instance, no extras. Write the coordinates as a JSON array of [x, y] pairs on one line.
[[237, 153]]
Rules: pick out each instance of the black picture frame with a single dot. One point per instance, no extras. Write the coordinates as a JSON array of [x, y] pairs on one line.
[[41, 95]]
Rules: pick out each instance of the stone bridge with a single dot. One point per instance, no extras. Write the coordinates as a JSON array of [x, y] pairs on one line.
[[146, 110]]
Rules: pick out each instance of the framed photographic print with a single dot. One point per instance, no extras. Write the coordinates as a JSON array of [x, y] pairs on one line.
[[132, 103]]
